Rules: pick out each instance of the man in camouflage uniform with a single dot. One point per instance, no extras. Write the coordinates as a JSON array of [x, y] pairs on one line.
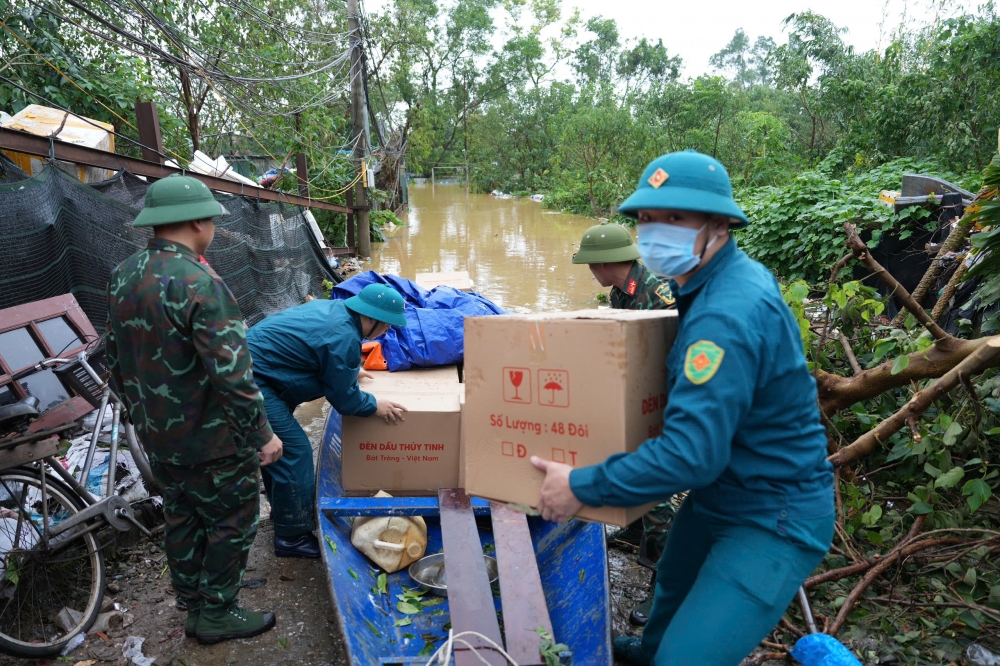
[[177, 350], [613, 258]]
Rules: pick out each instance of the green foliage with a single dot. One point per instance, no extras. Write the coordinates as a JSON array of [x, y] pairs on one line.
[[986, 246], [797, 229]]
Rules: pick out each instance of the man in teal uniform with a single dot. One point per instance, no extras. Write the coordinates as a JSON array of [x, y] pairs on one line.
[[177, 350], [302, 354], [741, 429], [613, 259]]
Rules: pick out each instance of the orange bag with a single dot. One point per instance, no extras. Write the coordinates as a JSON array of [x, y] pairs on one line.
[[372, 358]]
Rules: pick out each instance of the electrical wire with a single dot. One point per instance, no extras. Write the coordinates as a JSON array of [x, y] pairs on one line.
[[150, 48]]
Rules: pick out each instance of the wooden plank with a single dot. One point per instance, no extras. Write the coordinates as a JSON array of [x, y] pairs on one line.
[[30, 144], [469, 596], [30, 452], [524, 607], [148, 121], [302, 173]]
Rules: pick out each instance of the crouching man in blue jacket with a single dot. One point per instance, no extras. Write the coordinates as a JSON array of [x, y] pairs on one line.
[[302, 354], [741, 429]]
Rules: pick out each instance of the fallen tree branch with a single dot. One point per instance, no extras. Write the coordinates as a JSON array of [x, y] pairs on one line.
[[938, 604], [863, 254], [837, 392], [954, 241], [884, 563], [944, 302], [973, 364]]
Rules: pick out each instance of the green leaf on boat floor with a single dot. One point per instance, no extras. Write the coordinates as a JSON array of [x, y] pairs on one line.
[[373, 628], [403, 622], [330, 542], [354, 574], [408, 608], [383, 584], [409, 635], [427, 651]]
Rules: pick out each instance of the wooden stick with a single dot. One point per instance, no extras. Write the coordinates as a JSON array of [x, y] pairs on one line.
[[861, 251], [851, 358]]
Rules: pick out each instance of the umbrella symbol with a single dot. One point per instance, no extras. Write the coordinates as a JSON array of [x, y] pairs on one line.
[[553, 387]]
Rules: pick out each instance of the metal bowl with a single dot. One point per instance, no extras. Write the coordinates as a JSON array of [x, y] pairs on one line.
[[428, 573]]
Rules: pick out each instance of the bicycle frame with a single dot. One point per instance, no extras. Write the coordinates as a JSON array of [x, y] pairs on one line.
[[114, 510]]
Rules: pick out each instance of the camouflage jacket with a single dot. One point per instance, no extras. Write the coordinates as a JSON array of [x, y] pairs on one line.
[[643, 291], [177, 350]]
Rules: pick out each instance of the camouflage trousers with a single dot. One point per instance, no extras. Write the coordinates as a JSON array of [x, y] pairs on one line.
[[655, 526], [211, 512]]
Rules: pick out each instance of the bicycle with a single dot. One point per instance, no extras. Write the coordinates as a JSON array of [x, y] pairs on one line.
[[52, 575]]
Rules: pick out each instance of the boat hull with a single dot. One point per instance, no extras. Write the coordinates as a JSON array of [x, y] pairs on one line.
[[572, 563]]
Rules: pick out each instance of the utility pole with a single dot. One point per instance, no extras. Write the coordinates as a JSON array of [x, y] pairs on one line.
[[358, 117]]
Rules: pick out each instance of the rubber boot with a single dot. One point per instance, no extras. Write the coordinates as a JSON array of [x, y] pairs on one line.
[[217, 624], [640, 614], [193, 613], [629, 650]]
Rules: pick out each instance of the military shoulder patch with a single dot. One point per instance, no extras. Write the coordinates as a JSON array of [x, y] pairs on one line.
[[665, 293], [702, 361], [632, 287]]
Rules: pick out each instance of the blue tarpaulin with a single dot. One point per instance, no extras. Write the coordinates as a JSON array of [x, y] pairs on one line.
[[435, 330]]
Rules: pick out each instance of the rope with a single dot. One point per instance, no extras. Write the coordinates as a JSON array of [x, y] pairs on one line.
[[442, 655]]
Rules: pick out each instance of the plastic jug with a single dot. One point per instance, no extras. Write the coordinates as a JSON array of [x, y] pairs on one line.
[[391, 542]]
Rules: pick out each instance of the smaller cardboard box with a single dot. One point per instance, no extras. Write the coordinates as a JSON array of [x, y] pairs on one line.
[[458, 279], [572, 387], [417, 456], [443, 379]]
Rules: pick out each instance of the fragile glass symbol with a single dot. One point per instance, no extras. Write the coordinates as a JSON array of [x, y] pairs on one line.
[[516, 376]]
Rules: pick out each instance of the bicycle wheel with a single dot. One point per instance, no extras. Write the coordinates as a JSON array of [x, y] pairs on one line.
[[48, 594], [141, 461]]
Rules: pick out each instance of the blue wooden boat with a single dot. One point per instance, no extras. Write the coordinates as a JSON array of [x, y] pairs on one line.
[[572, 563]]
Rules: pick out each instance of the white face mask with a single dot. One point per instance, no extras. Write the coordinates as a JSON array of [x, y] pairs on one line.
[[668, 249]]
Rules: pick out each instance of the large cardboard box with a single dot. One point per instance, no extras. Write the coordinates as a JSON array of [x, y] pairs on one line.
[[458, 279], [574, 387], [417, 456]]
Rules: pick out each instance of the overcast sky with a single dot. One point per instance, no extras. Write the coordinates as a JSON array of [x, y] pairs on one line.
[[695, 29]]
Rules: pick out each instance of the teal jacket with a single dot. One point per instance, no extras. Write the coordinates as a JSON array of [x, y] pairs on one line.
[[742, 427], [311, 351]]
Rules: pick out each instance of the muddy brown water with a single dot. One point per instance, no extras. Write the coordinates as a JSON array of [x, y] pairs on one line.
[[517, 253]]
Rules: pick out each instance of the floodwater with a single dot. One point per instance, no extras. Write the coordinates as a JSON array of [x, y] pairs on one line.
[[516, 252]]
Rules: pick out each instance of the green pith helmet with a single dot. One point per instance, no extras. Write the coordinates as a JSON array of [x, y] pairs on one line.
[[178, 199], [379, 302], [687, 180], [605, 244]]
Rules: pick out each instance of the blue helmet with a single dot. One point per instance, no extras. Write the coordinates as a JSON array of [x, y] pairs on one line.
[[686, 180]]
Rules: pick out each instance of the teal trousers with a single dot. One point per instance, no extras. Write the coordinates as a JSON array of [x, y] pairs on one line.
[[290, 481], [721, 586]]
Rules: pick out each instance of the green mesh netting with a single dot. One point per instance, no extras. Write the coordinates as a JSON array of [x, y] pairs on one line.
[[58, 235]]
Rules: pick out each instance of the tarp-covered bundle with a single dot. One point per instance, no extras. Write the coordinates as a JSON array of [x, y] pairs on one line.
[[435, 328], [58, 235]]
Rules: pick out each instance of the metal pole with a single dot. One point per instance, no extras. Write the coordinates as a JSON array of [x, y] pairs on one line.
[[113, 456], [85, 472], [358, 113]]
